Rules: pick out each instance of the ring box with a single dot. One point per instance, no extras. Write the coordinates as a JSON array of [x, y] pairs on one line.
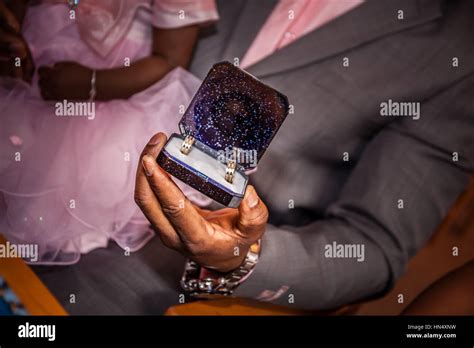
[[225, 131]]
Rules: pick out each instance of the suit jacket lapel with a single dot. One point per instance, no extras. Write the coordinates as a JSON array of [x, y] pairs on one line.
[[380, 18], [252, 16]]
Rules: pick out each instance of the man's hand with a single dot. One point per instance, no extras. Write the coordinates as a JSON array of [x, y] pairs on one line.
[[65, 80], [215, 239], [13, 47]]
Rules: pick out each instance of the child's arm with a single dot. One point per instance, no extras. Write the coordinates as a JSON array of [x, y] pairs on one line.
[[171, 48]]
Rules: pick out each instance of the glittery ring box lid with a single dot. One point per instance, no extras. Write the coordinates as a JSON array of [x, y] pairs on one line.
[[234, 111], [232, 119]]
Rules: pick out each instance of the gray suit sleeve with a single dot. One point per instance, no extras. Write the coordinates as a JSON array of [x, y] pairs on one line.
[[403, 185]]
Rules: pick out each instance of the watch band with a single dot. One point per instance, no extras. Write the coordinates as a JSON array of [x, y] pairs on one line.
[[218, 283]]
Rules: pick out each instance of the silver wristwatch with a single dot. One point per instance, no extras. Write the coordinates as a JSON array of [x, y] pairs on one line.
[[218, 284]]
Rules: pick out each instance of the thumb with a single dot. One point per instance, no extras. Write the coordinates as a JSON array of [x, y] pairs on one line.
[[253, 215], [8, 20], [12, 46]]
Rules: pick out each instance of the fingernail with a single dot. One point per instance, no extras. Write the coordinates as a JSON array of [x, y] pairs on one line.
[[155, 140], [252, 198], [148, 165]]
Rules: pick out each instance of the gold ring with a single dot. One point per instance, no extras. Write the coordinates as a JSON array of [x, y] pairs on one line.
[[187, 144], [230, 171]]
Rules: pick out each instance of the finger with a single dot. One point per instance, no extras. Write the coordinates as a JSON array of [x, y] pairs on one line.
[[46, 93], [17, 72], [44, 81], [177, 208], [44, 71], [64, 63], [29, 68], [12, 45], [8, 20], [25, 71], [253, 216], [147, 201]]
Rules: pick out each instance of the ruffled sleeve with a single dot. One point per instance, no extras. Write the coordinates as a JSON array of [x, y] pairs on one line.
[[180, 13]]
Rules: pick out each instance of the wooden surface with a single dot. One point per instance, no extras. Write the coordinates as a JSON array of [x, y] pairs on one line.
[[430, 264], [33, 294], [243, 306], [231, 306]]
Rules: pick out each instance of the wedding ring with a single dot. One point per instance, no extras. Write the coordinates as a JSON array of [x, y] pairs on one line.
[[187, 144], [73, 3], [230, 171]]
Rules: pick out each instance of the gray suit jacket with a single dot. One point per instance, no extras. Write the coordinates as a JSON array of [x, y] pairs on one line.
[[401, 176]]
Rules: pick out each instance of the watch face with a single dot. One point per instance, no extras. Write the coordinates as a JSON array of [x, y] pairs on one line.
[[233, 110]]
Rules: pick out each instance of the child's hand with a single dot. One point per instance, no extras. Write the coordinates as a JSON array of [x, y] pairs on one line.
[[65, 80], [13, 47]]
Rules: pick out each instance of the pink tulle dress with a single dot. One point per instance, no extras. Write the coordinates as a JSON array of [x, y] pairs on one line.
[[66, 183]]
